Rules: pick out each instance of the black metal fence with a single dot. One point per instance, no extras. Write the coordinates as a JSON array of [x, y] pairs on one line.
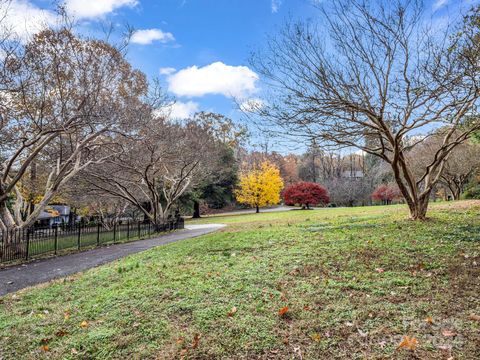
[[21, 244]]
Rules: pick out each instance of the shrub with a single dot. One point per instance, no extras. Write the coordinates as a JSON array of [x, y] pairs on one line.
[[306, 194], [386, 194], [473, 190]]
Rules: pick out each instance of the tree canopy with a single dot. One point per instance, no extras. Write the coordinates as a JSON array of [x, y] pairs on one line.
[[260, 186], [306, 194]]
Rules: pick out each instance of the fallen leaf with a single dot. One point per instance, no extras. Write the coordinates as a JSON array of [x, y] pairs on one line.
[[362, 334], [306, 308], [429, 320], [66, 315], [180, 340], [74, 351], [409, 343], [196, 341], [474, 317], [379, 270], [448, 333], [283, 311], [45, 348], [84, 324], [316, 337], [232, 311], [61, 333], [447, 348]]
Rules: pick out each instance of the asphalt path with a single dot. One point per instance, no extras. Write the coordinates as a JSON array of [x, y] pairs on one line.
[[40, 271]]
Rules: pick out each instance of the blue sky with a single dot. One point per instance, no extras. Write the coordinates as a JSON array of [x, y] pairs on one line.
[[207, 32], [198, 48]]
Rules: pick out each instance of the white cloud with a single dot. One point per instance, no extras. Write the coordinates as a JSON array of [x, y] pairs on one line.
[[147, 36], [23, 19], [275, 4], [84, 9], [179, 110], [183, 110], [438, 4], [216, 78], [251, 105], [167, 70]]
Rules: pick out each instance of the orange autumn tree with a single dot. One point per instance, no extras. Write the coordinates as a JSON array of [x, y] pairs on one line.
[[260, 187]]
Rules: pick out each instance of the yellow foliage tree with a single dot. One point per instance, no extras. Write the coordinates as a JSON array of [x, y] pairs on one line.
[[260, 187]]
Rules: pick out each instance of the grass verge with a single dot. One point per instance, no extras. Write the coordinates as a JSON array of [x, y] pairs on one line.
[[351, 283]]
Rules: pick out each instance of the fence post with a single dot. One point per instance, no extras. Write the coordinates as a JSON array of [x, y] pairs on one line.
[[28, 243], [98, 234], [114, 232], [128, 230], [138, 225], [56, 239], [79, 235]]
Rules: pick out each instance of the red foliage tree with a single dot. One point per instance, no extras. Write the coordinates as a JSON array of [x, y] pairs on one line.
[[386, 193], [306, 194]]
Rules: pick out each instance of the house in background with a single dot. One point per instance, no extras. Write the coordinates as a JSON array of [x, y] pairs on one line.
[[56, 215]]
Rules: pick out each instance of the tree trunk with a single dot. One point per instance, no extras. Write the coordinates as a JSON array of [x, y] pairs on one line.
[[196, 210], [418, 210], [456, 194], [257, 209], [6, 217]]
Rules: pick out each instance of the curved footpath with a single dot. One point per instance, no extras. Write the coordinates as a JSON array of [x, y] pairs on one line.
[[36, 272]]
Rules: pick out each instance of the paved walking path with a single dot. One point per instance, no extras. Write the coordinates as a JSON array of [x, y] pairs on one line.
[[18, 277]]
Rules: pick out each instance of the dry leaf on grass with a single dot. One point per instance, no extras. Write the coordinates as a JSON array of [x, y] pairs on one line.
[[474, 317], [61, 333], [84, 324], [45, 348], [409, 343], [283, 311], [429, 320], [196, 341], [316, 337], [448, 333], [232, 311]]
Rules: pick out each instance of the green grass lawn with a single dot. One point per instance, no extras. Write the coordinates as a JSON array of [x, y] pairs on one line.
[[355, 281]]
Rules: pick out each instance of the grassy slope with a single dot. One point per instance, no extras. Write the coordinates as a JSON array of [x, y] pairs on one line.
[[355, 281]]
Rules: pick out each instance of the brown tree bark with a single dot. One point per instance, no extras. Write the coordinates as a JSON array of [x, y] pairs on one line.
[[196, 210]]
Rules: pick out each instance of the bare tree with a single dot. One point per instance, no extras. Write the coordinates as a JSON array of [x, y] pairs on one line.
[[157, 167], [65, 101], [460, 166], [376, 76]]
